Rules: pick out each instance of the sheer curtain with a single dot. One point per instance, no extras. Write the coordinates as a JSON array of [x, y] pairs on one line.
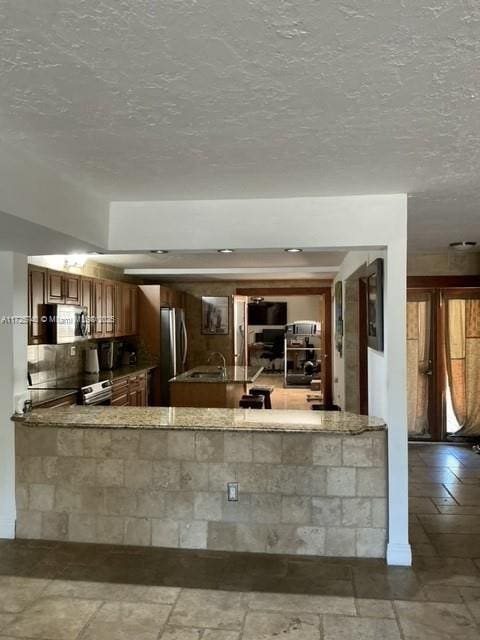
[[418, 356], [463, 360]]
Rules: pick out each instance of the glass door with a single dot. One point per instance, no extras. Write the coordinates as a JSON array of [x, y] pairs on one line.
[[421, 374], [462, 357]]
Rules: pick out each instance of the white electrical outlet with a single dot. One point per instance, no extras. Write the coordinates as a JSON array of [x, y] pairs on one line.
[[232, 491], [73, 350]]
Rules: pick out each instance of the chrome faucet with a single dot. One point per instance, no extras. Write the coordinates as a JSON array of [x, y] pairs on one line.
[[224, 361]]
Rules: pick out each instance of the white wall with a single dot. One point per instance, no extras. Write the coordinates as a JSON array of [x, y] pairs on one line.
[[13, 377], [353, 221], [33, 191], [357, 222]]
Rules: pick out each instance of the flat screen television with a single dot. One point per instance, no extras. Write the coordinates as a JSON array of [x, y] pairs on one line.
[[267, 313]]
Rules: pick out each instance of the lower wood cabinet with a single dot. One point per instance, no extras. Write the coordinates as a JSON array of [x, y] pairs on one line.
[[67, 401], [130, 391]]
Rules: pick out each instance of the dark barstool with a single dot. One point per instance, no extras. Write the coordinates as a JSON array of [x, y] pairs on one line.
[[252, 402], [266, 392]]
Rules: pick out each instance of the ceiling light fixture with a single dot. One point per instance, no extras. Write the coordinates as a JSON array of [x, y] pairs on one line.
[[159, 251], [292, 250], [225, 250], [463, 246], [257, 300]]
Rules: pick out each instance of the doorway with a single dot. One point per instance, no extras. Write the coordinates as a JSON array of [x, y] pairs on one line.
[[318, 296], [443, 360]]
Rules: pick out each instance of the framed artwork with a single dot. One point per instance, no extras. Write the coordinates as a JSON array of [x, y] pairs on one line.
[[339, 317], [215, 315], [375, 304]]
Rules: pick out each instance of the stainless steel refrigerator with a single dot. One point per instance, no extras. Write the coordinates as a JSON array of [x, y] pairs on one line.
[[174, 345]]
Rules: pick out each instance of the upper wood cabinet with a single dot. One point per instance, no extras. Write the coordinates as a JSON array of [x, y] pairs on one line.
[[62, 288], [37, 296], [172, 298], [86, 299], [108, 309], [114, 305]]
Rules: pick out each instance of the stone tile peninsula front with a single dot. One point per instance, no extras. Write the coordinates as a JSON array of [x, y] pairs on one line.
[[309, 482]]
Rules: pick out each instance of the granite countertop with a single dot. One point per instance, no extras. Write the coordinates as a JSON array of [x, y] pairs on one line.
[[62, 387], [233, 375], [202, 419]]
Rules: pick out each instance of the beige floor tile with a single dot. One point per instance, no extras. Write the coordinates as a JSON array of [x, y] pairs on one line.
[[181, 633], [374, 608], [438, 621], [442, 594], [204, 608], [58, 618], [220, 634], [262, 625], [127, 621], [16, 593], [114, 592], [471, 597], [301, 603], [442, 523], [6, 618], [343, 628], [427, 489], [421, 505], [465, 495]]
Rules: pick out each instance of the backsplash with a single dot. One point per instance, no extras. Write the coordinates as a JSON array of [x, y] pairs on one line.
[[51, 361]]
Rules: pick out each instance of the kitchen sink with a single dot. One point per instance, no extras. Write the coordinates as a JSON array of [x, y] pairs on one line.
[[207, 374]]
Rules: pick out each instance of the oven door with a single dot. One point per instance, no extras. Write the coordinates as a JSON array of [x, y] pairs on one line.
[[69, 323]]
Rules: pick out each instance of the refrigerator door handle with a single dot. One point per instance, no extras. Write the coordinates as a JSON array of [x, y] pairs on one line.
[[185, 342], [173, 346]]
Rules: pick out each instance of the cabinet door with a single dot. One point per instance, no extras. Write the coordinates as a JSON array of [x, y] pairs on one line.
[[68, 401], [130, 309], [86, 299], [37, 294], [109, 309], [97, 300], [55, 287], [119, 310], [168, 297], [134, 310], [120, 394], [132, 391], [72, 290], [142, 390]]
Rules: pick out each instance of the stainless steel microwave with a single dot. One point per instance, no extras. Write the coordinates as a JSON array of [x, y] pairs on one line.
[[66, 323]]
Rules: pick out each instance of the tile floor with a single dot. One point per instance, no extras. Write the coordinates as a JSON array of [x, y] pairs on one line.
[[289, 398], [67, 591]]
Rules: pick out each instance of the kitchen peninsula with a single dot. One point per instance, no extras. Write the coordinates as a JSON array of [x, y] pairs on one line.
[[306, 482], [210, 386]]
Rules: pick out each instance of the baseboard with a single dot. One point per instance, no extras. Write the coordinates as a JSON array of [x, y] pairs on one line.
[[399, 554], [7, 529]]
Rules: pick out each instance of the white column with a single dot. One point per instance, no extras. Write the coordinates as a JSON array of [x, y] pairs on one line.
[[13, 376], [398, 548]]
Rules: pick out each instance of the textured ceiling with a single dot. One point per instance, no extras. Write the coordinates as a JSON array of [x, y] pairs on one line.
[[253, 98]]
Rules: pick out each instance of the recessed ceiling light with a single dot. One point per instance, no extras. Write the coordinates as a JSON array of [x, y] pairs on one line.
[[294, 250], [225, 250], [158, 251], [463, 246]]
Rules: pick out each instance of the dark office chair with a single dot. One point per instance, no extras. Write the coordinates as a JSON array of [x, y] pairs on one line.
[[274, 352]]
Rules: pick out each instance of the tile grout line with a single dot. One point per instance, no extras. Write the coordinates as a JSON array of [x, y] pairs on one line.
[[173, 605]]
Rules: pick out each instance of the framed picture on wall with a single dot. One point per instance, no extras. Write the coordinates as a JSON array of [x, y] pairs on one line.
[[375, 304], [339, 317], [215, 315]]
